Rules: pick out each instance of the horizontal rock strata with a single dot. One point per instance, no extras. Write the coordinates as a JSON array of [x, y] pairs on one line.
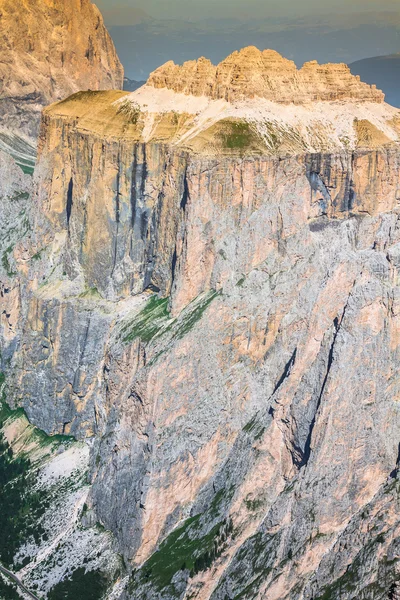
[[265, 74]]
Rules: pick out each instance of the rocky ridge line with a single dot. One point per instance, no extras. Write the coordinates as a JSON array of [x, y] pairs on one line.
[[250, 73]]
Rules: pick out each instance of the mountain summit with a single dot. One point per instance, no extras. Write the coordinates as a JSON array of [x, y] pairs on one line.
[[254, 102], [250, 73]]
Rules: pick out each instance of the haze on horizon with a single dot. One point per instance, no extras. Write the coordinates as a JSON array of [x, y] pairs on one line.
[[148, 33], [126, 12]]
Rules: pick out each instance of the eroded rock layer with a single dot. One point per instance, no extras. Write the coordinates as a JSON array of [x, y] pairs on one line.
[[265, 74]]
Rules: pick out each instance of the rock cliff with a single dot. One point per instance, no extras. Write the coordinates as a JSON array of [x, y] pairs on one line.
[[50, 49], [208, 294], [264, 74]]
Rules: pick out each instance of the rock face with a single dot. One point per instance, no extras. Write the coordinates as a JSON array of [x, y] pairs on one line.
[[50, 49], [216, 311], [251, 73], [13, 180]]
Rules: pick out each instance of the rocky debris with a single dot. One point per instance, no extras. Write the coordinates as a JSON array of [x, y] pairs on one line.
[[265, 74], [46, 531], [51, 49]]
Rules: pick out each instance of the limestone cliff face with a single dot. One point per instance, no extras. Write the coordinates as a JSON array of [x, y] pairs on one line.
[[50, 49], [219, 317]]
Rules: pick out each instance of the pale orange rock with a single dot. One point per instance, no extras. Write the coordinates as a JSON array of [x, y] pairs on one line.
[[266, 74], [51, 49]]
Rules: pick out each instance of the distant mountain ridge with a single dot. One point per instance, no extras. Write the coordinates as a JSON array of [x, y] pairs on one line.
[[130, 85], [384, 71]]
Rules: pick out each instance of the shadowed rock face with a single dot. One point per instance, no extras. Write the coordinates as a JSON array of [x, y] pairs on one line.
[[222, 324], [50, 49]]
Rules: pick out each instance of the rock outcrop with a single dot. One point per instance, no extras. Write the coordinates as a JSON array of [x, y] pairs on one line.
[[216, 311], [264, 74], [51, 49]]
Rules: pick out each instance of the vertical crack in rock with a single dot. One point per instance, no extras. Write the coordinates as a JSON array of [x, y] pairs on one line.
[[70, 201], [154, 227], [287, 370], [349, 195], [395, 471], [186, 194], [144, 171], [319, 176], [81, 355], [183, 204], [306, 453], [133, 188], [117, 213]]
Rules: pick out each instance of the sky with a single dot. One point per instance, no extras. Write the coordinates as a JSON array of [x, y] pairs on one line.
[[148, 33], [126, 12]]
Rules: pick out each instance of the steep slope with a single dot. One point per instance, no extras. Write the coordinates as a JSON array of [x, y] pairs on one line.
[[50, 49], [46, 530], [208, 295], [384, 71]]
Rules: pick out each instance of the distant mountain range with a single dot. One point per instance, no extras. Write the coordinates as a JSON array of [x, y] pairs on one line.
[[384, 71], [148, 43], [130, 85]]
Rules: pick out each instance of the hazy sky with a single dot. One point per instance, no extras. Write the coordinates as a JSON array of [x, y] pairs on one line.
[[121, 11]]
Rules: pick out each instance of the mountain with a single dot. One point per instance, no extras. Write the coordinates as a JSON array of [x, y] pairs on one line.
[[204, 294], [50, 49], [130, 85], [384, 71]]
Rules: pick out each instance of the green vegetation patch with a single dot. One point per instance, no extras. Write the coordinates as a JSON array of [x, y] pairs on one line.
[[90, 293], [21, 505], [253, 505], [184, 549], [238, 135], [28, 169], [193, 313], [349, 581], [82, 585], [20, 196], [21, 508], [130, 110], [38, 255], [155, 320], [6, 262], [8, 591], [148, 322]]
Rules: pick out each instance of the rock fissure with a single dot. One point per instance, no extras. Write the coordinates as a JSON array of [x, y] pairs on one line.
[[70, 202], [306, 453]]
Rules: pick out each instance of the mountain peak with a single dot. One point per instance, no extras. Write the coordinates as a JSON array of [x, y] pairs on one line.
[[250, 73]]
